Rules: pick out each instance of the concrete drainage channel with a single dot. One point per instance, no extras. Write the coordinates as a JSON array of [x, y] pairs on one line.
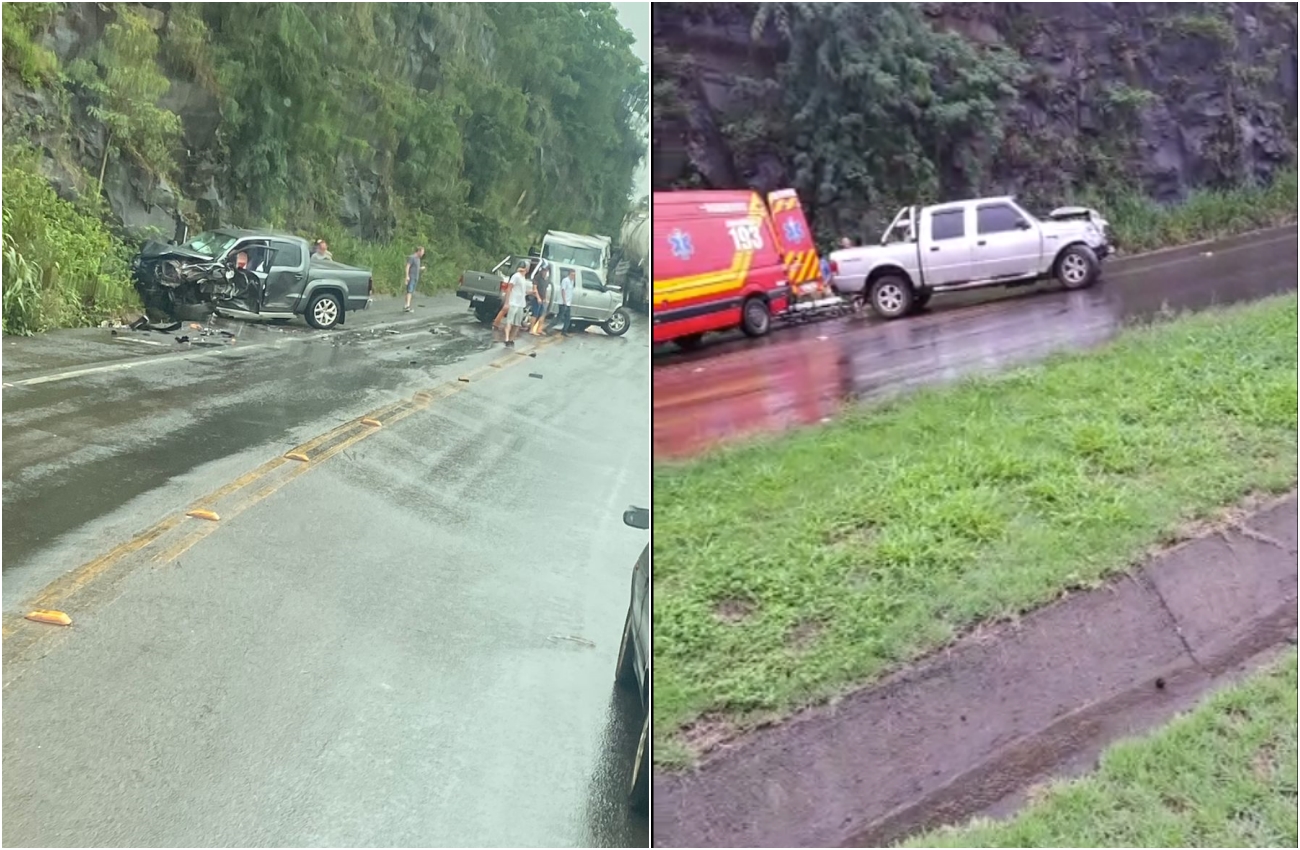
[[971, 729]]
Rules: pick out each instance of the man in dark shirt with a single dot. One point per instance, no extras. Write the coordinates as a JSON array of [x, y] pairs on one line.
[[542, 282]]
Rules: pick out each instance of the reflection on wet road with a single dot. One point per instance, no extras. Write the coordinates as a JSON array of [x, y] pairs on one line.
[[412, 643], [804, 375]]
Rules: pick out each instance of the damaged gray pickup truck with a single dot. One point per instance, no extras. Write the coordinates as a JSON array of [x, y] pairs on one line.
[[248, 274]]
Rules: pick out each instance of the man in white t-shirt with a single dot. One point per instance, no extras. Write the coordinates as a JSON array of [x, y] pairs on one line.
[[516, 299], [567, 285]]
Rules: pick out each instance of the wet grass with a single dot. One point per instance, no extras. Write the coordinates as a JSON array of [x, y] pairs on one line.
[[1140, 224], [792, 568], [1223, 775]]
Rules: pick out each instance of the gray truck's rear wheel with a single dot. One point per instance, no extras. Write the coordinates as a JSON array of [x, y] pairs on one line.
[[891, 297], [1077, 267], [640, 794], [755, 317], [485, 312], [324, 311]]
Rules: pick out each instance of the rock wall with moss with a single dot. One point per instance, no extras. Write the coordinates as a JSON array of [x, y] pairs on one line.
[[468, 127], [864, 107]]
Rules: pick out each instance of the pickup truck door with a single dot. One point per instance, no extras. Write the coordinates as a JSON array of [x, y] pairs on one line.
[[258, 252], [592, 302], [945, 246], [1007, 243], [287, 277]]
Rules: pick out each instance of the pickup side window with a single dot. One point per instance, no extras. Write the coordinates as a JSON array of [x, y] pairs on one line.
[[589, 280], [997, 218], [948, 224], [287, 255]]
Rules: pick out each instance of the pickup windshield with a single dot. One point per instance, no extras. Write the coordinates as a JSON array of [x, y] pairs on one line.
[[211, 243], [572, 255]]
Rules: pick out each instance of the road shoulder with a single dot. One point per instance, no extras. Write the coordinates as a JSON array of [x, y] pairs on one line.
[[974, 725]]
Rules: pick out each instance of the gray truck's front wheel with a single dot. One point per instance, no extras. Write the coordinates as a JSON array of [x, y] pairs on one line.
[[618, 323], [324, 311], [891, 297]]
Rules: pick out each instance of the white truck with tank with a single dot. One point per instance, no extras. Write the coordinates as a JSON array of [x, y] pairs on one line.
[[595, 300]]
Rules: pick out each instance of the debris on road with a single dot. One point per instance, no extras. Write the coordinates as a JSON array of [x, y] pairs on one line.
[[211, 516], [54, 618], [534, 374], [134, 339], [373, 423], [297, 456], [463, 379]]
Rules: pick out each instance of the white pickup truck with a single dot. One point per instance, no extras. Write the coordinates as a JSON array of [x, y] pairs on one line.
[[970, 245]]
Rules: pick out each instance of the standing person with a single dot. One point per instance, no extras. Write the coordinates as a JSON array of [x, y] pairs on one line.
[[412, 276], [520, 288], [542, 284], [567, 284], [845, 243], [322, 249]]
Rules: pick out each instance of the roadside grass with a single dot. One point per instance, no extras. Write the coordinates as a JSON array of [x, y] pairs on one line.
[[790, 569], [1222, 775], [1141, 224]]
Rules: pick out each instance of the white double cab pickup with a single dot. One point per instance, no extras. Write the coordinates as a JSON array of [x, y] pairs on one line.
[[970, 245]]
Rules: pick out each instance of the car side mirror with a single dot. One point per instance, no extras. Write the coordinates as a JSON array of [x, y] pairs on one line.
[[637, 517], [1021, 224]]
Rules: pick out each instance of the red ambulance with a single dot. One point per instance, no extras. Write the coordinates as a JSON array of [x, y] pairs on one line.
[[722, 260]]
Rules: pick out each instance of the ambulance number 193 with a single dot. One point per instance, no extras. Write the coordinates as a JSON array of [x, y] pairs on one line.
[[746, 235]]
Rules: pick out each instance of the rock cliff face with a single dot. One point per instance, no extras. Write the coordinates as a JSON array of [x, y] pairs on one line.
[[1211, 90]]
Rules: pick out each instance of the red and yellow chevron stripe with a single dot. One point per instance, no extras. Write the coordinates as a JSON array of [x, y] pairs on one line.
[[802, 266]]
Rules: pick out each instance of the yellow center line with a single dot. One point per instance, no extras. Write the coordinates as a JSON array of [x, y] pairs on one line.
[[55, 594]]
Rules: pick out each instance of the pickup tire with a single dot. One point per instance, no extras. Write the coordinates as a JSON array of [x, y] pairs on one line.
[[755, 317], [1077, 267], [324, 311], [485, 312], [892, 297], [625, 672], [639, 795], [618, 323]]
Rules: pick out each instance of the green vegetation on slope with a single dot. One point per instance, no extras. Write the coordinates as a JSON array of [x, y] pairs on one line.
[[468, 128], [62, 267], [1222, 775], [867, 107], [793, 568]]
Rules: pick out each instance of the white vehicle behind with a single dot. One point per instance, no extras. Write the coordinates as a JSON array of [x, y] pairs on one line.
[[971, 245]]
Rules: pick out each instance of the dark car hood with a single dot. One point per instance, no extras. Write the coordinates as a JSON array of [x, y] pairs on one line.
[[161, 250]]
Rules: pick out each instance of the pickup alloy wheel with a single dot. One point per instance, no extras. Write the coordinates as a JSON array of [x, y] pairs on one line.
[[324, 311], [618, 323], [891, 297], [1077, 267]]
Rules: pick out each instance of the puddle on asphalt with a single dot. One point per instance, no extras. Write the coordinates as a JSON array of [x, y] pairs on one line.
[[804, 375]]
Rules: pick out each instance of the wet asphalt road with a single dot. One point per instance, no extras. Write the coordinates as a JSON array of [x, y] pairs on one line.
[[804, 374], [410, 644]]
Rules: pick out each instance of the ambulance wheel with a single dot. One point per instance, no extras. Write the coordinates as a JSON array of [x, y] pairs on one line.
[[755, 317], [690, 342], [892, 297]]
